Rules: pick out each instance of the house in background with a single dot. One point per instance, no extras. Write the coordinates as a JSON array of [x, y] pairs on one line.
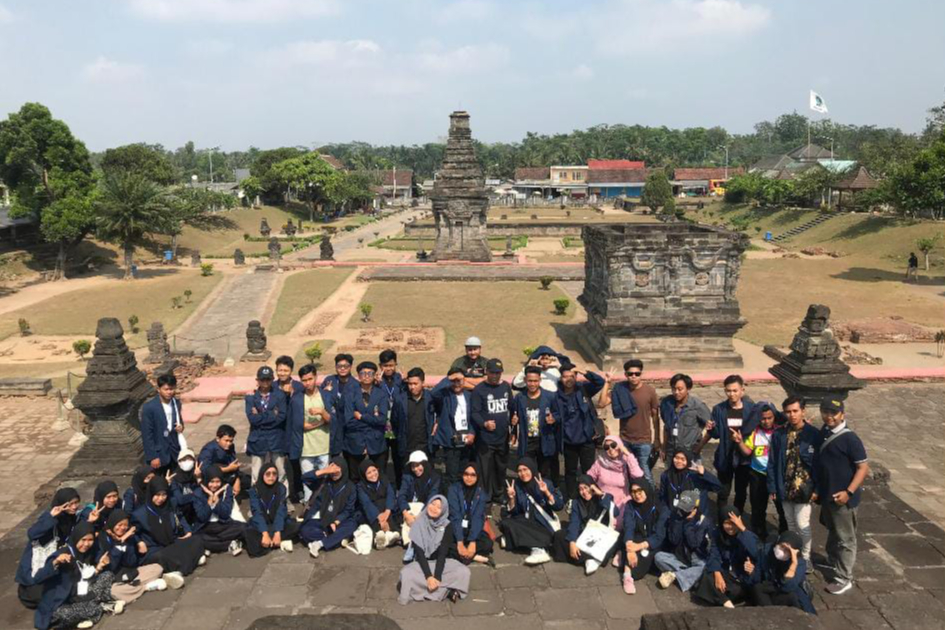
[[618, 182], [397, 185], [334, 162], [569, 181], [702, 181], [532, 180], [609, 165]]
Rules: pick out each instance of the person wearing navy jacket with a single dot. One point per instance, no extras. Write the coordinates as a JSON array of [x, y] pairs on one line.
[[365, 421], [455, 432], [311, 425], [681, 475], [132, 579], [686, 543], [267, 411], [413, 416], [221, 452], [538, 432], [491, 402], [528, 517], [336, 388], [137, 494], [213, 504], [332, 516], [167, 538], [574, 409], [783, 573], [726, 582], [467, 500], [592, 504], [269, 526], [419, 484], [290, 387], [377, 501], [392, 384], [161, 422], [44, 537], [104, 501], [644, 527], [184, 485]]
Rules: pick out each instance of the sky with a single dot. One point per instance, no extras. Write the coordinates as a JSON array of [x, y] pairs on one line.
[[269, 73]]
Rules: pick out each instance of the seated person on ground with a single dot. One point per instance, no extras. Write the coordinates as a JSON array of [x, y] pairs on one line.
[[331, 517], [783, 575], [269, 525], [686, 543], [682, 475], [132, 579], [105, 500], [222, 452], [47, 534], [167, 538], [184, 484], [137, 495], [529, 521], [419, 484], [377, 502], [467, 501], [431, 539], [726, 582], [644, 525], [592, 504], [213, 504]]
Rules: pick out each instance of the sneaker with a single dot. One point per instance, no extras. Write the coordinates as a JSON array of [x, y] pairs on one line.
[[116, 608], [82, 625], [501, 542], [206, 552], [236, 548], [380, 539], [839, 588], [286, 546], [628, 586], [615, 563], [314, 548], [666, 579], [159, 584], [203, 560], [393, 538], [728, 604], [536, 557], [591, 566], [174, 580], [567, 506]]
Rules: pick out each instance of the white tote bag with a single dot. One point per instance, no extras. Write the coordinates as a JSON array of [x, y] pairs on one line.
[[598, 539]]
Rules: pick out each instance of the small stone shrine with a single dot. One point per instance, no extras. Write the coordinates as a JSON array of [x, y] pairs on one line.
[[289, 228], [158, 348], [662, 293], [813, 369], [195, 259], [110, 398], [239, 258], [460, 201], [326, 250], [256, 343], [275, 249], [264, 228]]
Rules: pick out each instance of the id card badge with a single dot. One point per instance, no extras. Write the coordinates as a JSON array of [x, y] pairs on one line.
[[676, 502], [675, 431], [735, 423], [82, 588], [166, 433], [465, 523]]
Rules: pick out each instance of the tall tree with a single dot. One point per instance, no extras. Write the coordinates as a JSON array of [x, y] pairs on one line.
[[658, 192], [313, 179], [131, 208], [149, 160], [50, 174]]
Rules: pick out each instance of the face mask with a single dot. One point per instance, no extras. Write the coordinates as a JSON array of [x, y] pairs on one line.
[[187, 465], [780, 554]]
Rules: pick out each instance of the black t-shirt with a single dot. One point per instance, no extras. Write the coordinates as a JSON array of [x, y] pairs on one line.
[[493, 402], [416, 424], [836, 465], [532, 421]]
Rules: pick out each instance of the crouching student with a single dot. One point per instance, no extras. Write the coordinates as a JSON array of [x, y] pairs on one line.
[[685, 543], [269, 526], [431, 539], [528, 519], [221, 452], [783, 575], [467, 501], [682, 475], [644, 526], [331, 517], [378, 504], [213, 503], [592, 504], [419, 484], [132, 579], [726, 582], [48, 534], [165, 537], [184, 485], [105, 500], [76, 585]]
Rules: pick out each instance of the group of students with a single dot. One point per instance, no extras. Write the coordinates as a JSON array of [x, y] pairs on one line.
[[319, 459]]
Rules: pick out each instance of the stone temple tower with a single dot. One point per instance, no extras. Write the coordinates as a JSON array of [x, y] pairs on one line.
[[460, 201]]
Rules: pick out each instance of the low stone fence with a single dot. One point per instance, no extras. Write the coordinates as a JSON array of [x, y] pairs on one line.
[[535, 228]]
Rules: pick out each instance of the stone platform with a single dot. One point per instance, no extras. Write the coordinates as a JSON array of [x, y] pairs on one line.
[[475, 272]]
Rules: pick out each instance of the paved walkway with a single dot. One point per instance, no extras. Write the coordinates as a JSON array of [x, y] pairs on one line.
[[480, 273]]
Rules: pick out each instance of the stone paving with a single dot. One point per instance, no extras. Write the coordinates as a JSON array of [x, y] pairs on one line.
[[475, 273], [900, 570]]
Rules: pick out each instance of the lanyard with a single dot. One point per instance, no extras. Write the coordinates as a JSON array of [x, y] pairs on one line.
[[271, 501]]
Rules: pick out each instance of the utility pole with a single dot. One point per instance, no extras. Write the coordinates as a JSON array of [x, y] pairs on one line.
[[726, 160]]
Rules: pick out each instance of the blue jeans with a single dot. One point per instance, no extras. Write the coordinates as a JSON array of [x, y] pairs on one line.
[[687, 575], [642, 453], [308, 464]]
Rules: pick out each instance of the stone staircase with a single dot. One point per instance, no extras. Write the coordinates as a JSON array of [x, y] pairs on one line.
[[800, 229]]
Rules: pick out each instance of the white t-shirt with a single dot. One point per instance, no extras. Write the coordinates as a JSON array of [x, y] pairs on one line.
[[461, 419], [169, 414]]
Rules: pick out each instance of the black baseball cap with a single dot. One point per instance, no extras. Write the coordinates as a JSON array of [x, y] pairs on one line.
[[832, 406], [265, 373], [494, 366]]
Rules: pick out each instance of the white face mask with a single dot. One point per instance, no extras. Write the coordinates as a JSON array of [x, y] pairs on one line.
[[187, 465], [780, 553]]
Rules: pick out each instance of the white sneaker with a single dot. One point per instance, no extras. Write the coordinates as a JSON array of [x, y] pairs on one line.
[[393, 538], [156, 585], [236, 548], [286, 546], [567, 506], [666, 579], [236, 514], [380, 539], [206, 552], [536, 557], [728, 604], [314, 548], [174, 580], [203, 560], [591, 566], [88, 623], [116, 608]]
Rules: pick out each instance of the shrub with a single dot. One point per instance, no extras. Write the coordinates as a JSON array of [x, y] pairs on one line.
[[561, 306], [246, 236], [206, 269], [314, 352], [24, 327], [176, 302], [546, 282], [187, 294], [528, 351], [81, 347], [365, 311], [133, 324]]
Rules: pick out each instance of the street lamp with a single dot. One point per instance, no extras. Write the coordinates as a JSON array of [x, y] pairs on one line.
[[831, 147], [193, 181], [210, 154], [726, 160]]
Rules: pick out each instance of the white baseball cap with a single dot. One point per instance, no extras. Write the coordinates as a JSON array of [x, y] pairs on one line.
[[473, 341], [186, 452], [417, 457]]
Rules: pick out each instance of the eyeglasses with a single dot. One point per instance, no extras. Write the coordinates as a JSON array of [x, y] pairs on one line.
[[610, 446], [637, 491], [470, 474], [366, 372], [634, 373]]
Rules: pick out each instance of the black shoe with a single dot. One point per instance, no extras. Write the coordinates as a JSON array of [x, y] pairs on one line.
[[452, 595]]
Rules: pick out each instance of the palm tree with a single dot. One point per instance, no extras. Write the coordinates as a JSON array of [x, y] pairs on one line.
[[131, 208]]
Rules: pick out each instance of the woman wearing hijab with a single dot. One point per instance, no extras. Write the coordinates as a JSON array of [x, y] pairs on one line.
[[104, 501], [331, 517], [48, 534], [528, 519], [644, 523], [783, 579], [417, 486], [213, 509], [167, 539], [137, 494], [683, 475], [591, 504], [132, 579], [726, 582], [431, 539], [613, 469], [269, 525], [378, 504], [76, 584], [467, 503], [184, 483]]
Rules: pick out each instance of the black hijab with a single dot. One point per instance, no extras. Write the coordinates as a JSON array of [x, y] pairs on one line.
[[101, 491], [117, 515], [335, 493], [469, 492], [650, 502], [532, 486], [377, 491], [65, 522], [592, 508], [680, 478], [269, 495], [162, 524], [80, 531], [213, 472], [139, 486], [188, 477]]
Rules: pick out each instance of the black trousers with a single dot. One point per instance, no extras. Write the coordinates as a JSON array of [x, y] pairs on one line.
[[354, 463], [758, 492], [644, 563], [456, 459], [294, 474], [549, 466], [706, 591], [494, 462], [398, 461], [484, 547], [575, 456], [218, 536], [767, 594], [740, 475], [253, 538]]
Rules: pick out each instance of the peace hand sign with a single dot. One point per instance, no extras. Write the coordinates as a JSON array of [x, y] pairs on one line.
[[58, 509], [510, 489], [542, 485], [95, 513], [169, 475]]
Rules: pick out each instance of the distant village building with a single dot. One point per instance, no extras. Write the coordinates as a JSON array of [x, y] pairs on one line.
[[702, 181], [396, 185], [615, 182]]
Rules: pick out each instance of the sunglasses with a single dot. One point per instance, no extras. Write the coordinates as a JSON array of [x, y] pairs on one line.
[[610, 445], [634, 373]]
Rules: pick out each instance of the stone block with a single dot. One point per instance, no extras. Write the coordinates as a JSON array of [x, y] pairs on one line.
[[911, 551], [208, 593], [910, 611], [522, 576], [324, 622], [619, 605], [518, 600], [575, 603], [770, 618], [25, 386]]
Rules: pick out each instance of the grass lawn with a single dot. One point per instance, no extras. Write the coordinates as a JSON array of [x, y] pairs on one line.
[[77, 312], [507, 316], [246, 220], [774, 220], [301, 293]]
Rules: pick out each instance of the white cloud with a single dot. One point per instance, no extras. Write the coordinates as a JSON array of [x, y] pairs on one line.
[[324, 52], [105, 70], [251, 11], [465, 11], [6, 16], [582, 72], [209, 47], [465, 59]]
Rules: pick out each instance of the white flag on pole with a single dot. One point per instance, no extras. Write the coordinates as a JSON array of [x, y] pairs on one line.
[[817, 103]]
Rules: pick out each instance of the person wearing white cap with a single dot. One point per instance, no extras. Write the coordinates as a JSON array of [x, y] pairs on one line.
[[473, 364]]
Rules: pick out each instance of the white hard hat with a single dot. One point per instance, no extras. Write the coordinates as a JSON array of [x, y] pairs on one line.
[[473, 341], [417, 457]]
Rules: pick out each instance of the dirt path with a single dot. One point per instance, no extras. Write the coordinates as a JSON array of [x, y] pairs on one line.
[[43, 291]]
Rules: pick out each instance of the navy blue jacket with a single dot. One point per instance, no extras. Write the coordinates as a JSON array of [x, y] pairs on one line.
[[492, 402], [334, 393], [777, 457], [474, 513], [296, 432], [129, 502], [579, 519], [222, 510], [649, 527], [730, 558], [348, 512], [523, 506], [575, 411], [57, 588], [621, 401], [258, 519], [399, 421], [369, 510], [293, 425], [142, 530], [684, 536], [267, 423], [182, 496], [549, 437], [366, 434], [158, 442], [408, 492], [212, 454], [42, 533], [705, 483], [120, 555], [773, 571], [444, 402], [723, 454]]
